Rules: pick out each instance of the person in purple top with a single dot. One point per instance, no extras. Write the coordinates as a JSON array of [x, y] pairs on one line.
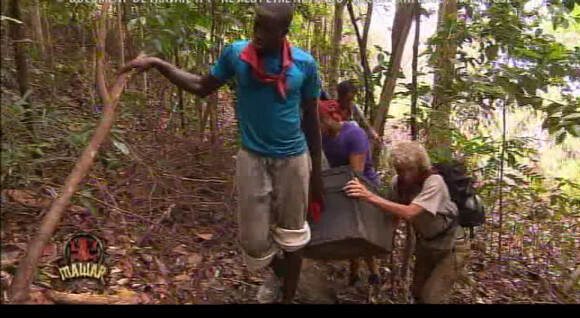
[[344, 143]]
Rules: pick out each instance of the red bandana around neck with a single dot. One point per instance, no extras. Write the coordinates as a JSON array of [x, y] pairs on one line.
[[250, 55]]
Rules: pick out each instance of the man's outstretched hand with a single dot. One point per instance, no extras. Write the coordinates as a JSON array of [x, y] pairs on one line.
[[141, 63]]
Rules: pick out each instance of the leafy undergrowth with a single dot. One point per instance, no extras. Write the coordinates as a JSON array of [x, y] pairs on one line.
[[170, 227], [165, 204]]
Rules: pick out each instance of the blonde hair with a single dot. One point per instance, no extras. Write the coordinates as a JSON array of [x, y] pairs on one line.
[[410, 154]]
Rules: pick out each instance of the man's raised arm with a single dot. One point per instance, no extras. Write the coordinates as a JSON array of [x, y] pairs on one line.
[[200, 85]]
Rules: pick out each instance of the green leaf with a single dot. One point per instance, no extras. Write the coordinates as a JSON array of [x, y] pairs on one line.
[[381, 58], [529, 84], [553, 107], [491, 52], [556, 71], [122, 147]]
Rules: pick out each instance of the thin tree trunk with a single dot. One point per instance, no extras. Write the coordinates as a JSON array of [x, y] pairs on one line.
[[18, 39], [181, 104], [37, 27], [143, 49], [335, 54], [48, 42], [414, 80], [213, 55], [393, 263], [325, 52], [366, 30], [121, 34], [367, 26], [318, 40], [444, 76], [407, 253], [401, 28], [503, 145], [363, 58]]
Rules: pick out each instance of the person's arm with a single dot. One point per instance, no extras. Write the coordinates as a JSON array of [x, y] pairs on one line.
[[357, 161], [367, 126], [356, 189], [196, 84], [311, 127], [310, 92], [200, 85], [357, 144]]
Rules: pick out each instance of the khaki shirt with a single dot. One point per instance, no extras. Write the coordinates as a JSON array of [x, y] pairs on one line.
[[434, 198]]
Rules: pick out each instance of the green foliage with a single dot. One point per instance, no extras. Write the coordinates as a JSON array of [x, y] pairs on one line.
[[563, 119]]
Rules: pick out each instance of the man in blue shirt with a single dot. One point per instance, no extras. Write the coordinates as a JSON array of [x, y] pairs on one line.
[[275, 175]]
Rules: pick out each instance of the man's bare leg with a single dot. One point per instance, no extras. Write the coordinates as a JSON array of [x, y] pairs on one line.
[[293, 262]]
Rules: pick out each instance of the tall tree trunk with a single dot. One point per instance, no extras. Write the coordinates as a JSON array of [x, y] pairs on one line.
[[501, 171], [48, 42], [410, 243], [18, 38], [214, 56], [142, 50], [444, 76], [121, 34], [367, 27], [368, 20], [325, 50], [37, 29], [318, 40], [401, 28], [363, 57], [335, 54], [129, 39], [410, 237], [414, 79]]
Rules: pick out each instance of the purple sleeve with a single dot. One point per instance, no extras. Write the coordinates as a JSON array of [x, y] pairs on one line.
[[357, 141]]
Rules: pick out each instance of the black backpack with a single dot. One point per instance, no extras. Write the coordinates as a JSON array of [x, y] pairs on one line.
[[469, 206]]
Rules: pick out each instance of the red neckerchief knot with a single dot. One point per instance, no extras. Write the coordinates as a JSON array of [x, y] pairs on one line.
[[250, 55]]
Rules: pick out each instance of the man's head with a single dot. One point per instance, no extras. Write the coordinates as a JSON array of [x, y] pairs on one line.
[[411, 161], [271, 25], [346, 92]]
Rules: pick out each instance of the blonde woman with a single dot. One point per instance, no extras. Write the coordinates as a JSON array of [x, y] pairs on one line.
[[421, 197]]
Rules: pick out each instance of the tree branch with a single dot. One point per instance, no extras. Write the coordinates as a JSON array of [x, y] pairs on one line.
[[20, 288]]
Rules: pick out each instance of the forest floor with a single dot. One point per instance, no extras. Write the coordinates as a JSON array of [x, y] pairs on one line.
[[170, 226]]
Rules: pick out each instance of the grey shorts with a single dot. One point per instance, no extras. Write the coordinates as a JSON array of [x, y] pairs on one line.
[[273, 199]]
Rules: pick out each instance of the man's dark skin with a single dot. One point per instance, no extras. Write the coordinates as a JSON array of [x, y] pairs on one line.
[[271, 25]]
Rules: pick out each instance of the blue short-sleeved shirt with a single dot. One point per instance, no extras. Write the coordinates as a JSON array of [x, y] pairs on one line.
[[270, 125]]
